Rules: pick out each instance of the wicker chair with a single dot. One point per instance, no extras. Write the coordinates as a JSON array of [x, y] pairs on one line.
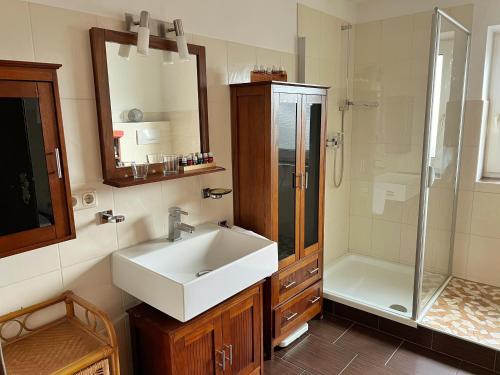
[[82, 342]]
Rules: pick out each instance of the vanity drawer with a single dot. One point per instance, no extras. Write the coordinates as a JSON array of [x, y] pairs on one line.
[[297, 311], [297, 277]]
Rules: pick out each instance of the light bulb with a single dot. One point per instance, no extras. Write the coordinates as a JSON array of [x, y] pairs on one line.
[[143, 34]]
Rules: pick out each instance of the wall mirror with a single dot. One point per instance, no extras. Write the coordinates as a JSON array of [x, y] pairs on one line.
[[147, 105]]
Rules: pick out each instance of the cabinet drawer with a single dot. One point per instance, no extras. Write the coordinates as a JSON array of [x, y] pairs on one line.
[[296, 278], [297, 311]]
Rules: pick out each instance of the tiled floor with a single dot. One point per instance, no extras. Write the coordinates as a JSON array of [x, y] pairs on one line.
[[337, 346], [468, 310]]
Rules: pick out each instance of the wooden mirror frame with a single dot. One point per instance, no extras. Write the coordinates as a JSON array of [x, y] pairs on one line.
[[122, 176]]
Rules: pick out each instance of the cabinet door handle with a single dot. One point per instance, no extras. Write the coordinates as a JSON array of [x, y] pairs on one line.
[[58, 162], [289, 284], [307, 180], [294, 180], [223, 356], [291, 316], [313, 271], [314, 300], [230, 347]]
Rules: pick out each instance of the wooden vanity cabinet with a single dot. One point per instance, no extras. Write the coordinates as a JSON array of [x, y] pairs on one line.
[[278, 149], [226, 340]]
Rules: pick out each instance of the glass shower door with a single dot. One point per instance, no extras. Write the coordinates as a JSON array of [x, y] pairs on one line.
[[441, 157]]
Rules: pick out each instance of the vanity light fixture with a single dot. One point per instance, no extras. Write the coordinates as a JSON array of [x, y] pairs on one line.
[[143, 34], [182, 47], [149, 26]]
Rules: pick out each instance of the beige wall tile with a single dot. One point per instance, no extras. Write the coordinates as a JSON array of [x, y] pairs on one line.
[[92, 240], [485, 215], [472, 122], [62, 36], [481, 265], [468, 168], [145, 213], [30, 291], [30, 264], [408, 251], [186, 194], [82, 140], [460, 254], [464, 211], [360, 234], [386, 240], [241, 60], [92, 280], [15, 31]]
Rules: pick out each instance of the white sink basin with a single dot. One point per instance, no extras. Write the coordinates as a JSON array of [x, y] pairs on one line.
[[165, 274]]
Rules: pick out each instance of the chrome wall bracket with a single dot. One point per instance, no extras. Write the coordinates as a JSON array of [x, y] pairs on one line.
[[157, 27]]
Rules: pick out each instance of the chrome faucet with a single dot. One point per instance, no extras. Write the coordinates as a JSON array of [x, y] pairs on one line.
[[175, 225]]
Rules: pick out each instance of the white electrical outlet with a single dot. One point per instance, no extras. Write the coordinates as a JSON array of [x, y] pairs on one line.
[[89, 199], [84, 200]]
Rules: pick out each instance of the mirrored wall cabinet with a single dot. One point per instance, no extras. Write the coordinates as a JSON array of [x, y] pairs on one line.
[[35, 202], [151, 106]]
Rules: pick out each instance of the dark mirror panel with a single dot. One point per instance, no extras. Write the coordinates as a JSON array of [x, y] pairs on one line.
[[312, 140], [287, 130], [26, 201]]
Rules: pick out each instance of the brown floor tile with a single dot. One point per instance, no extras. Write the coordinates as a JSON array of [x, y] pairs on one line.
[[420, 335], [356, 315], [361, 365], [413, 359], [330, 328], [465, 350], [280, 352], [468, 369], [278, 366], [375, 346], [317, 356]]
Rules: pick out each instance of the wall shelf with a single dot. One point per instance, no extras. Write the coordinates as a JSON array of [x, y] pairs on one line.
[[130, 181]]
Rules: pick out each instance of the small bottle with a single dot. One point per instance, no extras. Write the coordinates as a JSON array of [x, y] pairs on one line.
[[262, 69], [195, 159], [210, 157], [200, 158], [205, 158], [184, 161], [189, 159], [255, 68]]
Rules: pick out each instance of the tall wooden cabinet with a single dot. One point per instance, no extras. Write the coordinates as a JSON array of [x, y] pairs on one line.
[[278, 149]]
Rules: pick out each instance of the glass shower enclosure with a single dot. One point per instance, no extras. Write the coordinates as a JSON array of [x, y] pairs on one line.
[[444, 118], [405, 155]]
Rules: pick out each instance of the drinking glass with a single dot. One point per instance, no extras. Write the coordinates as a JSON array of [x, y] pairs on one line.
[[170, 164], [140, 170], [154, 158]]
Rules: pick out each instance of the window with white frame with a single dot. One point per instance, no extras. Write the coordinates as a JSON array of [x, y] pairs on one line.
[[492, 140]]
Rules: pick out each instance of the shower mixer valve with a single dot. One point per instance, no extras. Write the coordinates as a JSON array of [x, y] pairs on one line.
[[336, 141]]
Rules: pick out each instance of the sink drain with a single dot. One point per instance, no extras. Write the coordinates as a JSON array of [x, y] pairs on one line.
[[400, 308], [202, 272]]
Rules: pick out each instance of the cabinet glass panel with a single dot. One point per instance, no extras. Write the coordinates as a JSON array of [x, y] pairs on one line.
[[287, 144], [26, 202], [312, 145]]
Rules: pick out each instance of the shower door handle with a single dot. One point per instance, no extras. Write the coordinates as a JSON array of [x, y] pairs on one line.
[[431, 176]]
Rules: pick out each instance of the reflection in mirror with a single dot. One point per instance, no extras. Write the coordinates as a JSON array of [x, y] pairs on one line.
[[154, 103]]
